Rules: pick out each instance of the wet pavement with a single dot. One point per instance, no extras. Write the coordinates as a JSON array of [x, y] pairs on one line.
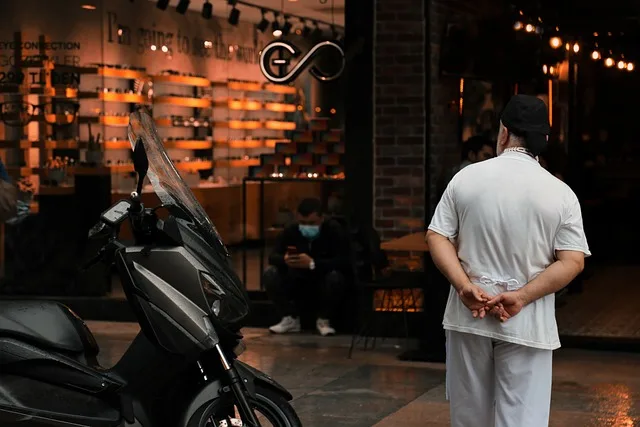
[[591, 389]]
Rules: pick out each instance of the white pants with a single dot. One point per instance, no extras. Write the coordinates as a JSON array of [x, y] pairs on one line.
[[492, 383]]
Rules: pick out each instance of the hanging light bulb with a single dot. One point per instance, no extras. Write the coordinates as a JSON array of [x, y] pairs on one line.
[[576, 48], [552, 70], [517, 26], [622, 65], [595, 55], [529, 28], [545, 69], [630, 66], [555, 42], [609, 62]]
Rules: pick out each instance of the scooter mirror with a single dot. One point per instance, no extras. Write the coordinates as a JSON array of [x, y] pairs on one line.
[[140, 163]]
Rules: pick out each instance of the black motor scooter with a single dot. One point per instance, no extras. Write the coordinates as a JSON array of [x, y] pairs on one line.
[[182, 369]]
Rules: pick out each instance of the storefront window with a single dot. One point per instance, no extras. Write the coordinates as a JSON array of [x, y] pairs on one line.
[[249, 148]]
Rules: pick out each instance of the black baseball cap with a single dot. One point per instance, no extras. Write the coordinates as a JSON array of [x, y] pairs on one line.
[[527, 116]]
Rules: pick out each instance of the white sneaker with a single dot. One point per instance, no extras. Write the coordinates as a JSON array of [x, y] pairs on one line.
[[324, 327], [287, 324]]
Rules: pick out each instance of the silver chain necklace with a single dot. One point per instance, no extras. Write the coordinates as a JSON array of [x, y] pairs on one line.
[[519, 150]]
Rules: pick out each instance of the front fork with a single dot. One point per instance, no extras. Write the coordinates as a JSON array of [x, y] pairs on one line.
[[236, 384]]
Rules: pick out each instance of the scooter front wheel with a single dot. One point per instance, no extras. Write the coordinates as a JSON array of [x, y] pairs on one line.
[[271, 409]]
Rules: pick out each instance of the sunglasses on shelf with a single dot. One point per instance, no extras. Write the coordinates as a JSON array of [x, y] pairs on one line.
[[19, 114]]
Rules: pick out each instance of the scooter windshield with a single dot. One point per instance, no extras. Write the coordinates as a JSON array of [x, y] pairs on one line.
[[165, 179]]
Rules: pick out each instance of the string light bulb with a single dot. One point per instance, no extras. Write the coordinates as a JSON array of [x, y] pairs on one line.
[[517, 26], [622, 65], [545, 69], [630, 66], [576, 48], [529, 28], [552, 70], [609, 62], [567, 46], [555, 42], [595, 55]]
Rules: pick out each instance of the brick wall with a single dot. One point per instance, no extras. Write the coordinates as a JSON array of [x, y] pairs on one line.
[[400, 121], [402, 128]]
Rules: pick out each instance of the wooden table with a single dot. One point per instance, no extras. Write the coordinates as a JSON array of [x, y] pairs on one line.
[[431, 340], [410, 243]]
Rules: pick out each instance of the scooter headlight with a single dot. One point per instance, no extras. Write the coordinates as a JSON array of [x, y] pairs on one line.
[[212, 292]]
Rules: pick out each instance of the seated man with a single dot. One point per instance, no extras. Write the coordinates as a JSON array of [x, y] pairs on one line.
[[307, 266]]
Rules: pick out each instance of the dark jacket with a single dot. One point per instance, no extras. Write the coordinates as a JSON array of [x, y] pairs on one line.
[[4, 175], [330, 250]]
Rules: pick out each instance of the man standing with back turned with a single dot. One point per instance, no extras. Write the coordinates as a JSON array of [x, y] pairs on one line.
[[517, 239]]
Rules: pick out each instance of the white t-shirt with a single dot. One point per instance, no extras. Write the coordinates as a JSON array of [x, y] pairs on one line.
[[507, 216]]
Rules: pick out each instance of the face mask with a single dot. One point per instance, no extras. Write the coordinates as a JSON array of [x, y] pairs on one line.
[[309, 231]]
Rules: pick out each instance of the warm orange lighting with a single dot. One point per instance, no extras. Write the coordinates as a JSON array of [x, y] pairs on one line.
[[576, 47], [461, 105], [552, 70], [545, 69], [567, 46], [609, 62], [317, 109], [630, 66], [529, 28], [517, 26], [88, 7], [398, 300], [550, 102], [332, 111], [277, 33], [622, 65], [299, 107], [555, 42], [595, 55]]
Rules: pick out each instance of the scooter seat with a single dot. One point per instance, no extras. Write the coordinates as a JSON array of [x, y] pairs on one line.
[[46, 324]]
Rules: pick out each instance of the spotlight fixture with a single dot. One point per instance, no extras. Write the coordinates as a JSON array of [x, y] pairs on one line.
[[576, 48], [529, 28], [275, 26], [162, 4], [182, 6], [263, 24], [286, 28], [234, 16], [317, 32], [545, 69], [622, 65], [595, 55], [609, 62], [207, 10], [630, 66], [555, 42], [88, 7], [306, 30]]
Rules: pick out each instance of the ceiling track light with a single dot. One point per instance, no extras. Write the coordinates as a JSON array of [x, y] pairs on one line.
[[207, 10], [275, 26], [317, 32], [286, 27], [182, 6], [162, 4], [234, 16], [263, 24]]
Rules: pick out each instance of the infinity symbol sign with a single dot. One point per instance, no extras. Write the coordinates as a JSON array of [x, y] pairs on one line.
[[304, 62]]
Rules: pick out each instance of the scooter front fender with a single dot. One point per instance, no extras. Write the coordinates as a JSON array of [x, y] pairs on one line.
[[196, 410]]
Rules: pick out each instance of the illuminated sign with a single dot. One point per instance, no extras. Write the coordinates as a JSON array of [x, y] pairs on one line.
[[287, 52]]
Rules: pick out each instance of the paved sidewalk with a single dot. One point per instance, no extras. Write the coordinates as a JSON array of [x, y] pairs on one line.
[[591, 389]]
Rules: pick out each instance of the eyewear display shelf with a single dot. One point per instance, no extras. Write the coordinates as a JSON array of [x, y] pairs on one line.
[[267, 210]]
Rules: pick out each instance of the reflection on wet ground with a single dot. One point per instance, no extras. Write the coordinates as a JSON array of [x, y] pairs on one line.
[[591, 389]]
